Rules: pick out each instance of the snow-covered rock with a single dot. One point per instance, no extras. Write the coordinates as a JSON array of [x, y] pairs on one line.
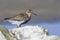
[[28, 33], [32, 33]]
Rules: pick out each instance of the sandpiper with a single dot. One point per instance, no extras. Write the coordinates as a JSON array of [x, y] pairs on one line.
[[21, 18]]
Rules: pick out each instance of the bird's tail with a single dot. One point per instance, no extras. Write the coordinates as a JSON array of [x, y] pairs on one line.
[[5, 19]]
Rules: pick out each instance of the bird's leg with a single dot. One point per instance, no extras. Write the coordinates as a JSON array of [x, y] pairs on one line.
[[17, 25], [20, 25]]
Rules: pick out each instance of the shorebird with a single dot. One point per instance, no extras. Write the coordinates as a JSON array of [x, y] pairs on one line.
[[21, 18]]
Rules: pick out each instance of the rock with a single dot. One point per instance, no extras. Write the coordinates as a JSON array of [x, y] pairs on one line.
[[32, 33], [26, 33], [5, 32], [2, 36]]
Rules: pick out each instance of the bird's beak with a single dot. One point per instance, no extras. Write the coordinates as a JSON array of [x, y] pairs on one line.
[[34, 14]]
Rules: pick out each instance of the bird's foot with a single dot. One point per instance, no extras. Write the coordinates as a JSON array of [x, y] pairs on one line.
[[18, 26]]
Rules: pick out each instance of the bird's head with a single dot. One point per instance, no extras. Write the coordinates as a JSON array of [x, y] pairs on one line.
[[29, 12]]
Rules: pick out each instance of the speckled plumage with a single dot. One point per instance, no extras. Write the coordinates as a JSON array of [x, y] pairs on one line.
[[20, 18]]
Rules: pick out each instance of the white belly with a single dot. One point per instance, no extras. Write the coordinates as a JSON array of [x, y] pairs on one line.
[[15, 22]]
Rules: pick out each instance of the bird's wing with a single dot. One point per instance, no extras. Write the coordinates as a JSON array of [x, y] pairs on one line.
[[18, 17], [14, 18]]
